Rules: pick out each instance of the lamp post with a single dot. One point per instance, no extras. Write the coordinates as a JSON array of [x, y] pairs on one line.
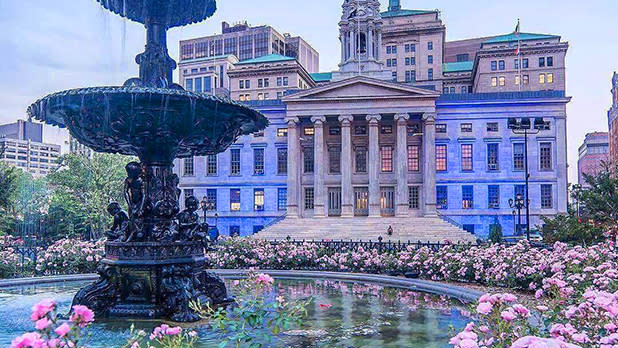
[[517, 205], [206, 206], [523, 126]]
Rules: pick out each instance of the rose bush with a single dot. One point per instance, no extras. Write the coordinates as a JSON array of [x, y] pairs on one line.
[[70, 256]]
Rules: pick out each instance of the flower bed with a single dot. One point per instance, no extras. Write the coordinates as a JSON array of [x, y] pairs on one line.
[[69, 256]]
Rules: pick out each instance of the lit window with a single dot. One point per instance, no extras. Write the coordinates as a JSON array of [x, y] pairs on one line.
[[541, 78], [494, 82], [467, 197], [309, 131], [241, 97], [466, 157], [550, 78], [235, 199], [441, 159], [466, 127], [441, 128], [258, 199], [282, 132], [526, 79], [502, 80], [386, 154], [413, 158], [517, 80], [260, 96], [492, 157], [492, 126]]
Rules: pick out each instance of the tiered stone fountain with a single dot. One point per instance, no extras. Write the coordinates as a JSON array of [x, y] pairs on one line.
[[154, 259]]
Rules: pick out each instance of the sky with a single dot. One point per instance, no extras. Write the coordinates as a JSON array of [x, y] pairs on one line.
[[48, 46]]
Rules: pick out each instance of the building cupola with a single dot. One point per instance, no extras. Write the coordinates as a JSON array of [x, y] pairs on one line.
[[394, 5]]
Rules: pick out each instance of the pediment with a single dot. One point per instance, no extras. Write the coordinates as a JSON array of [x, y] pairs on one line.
[[361, 87]]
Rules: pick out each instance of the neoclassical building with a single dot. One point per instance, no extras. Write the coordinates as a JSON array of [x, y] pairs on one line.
[[411, 132]]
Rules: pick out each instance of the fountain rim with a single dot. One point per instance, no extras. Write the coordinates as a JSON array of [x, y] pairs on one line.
[[33, 109], [209, 12], [460, 293]]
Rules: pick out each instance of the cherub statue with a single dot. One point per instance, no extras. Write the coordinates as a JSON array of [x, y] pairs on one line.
[[188, 220], [121, 220], [134, 190]]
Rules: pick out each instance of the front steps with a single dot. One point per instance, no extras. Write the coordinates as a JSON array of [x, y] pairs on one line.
[[424, 229]]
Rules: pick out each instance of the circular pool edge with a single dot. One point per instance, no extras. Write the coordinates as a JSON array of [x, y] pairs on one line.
[[437, 288]]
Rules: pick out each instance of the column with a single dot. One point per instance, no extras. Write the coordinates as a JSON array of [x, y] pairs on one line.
[[379, 48], [429, 160], [374, 168], [352, 45], [318, 167], [370, 43], [347, 191], [343, 43], [293, 167], [401, 165]]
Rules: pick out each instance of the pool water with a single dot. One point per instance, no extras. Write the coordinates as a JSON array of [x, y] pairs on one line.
[[342, 314]]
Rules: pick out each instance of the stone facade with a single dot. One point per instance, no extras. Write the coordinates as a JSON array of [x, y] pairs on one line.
[[592, 154], [393, 143], [612, 120]]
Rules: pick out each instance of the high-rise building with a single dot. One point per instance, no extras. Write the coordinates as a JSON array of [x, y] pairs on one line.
[[21, 145], [593, 153], [411, 132]]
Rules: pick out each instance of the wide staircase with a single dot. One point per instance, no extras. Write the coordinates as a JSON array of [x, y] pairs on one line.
[[424, 229]]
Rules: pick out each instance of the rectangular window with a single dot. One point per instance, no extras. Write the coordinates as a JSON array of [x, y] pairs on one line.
[[526, 79], [282, 199], [309, 194], [247, 84], [211, 200], [260, 83], [285, 81], [441, 158], [501, 65], [360, 130], [386, 130], [413, 129], [258, 199], [442, 197], [386, 155], [234, 231], [452, 90], [360, 154], [466, 157], [494, 82], [550, 61], [394, 60], [542, 79], [258, 161], [517, 80], [189, 84], [394, 76], [188, 193], [279, 81], [407, 60], [211, 165], [492, 157], [235, 162], [413, 197], [334, 160], [308, 160], [494, 65], [413, 158], [516, 63], [235, 199], [502, 80], [282, 161], [412, 47], [524, 63], [445, 90], [430, 45], [266, 82], [463, 57], [545, 156], [430, 59], [492, 126], [467, 197], [493, 197], [334, 130], [518, 156], [550, 78], [282, 132], [519, 190], [541, 62], [547, 200], [430, 74], [441, 128], [309, 131], [464, 89], [466, 127], [188, 167], [406, 48]]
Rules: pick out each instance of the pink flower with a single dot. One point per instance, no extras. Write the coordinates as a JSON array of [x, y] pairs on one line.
[[63, 329], [519, 309], [508, 315], [29, 340], [42, 324], [82, 315], [264, 279], [484, 308], [42, 308], [172, 331]]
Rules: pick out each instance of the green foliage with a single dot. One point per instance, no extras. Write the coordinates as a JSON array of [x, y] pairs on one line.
[[255, 319], [571, 229], [82, 188], [495, 232]]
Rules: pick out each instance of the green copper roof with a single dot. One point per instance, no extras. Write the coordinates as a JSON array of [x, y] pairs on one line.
[[513, 37], [402, 13], [322, 77], [457, 67], [271, 58]]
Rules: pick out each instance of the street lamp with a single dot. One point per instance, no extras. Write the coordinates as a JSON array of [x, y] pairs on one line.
[[524, 126], [517, 204], [206, 205]]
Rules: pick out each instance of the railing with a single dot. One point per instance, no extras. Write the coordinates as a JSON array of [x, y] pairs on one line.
[[275, 221], [500, 96], [449, 220], [27, 257], [381, 246]]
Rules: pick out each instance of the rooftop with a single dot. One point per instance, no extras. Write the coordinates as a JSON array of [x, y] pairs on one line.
[[402, 13], [270, 58], [322, 77], [513, 37], [457, 66], [207, 59]]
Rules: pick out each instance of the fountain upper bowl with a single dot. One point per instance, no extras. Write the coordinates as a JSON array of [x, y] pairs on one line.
[[171, 13]]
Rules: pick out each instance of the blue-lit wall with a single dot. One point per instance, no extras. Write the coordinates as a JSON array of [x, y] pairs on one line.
[[247, 218]]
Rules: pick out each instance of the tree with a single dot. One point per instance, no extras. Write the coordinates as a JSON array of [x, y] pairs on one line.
[[9, 183], [83, 186]]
